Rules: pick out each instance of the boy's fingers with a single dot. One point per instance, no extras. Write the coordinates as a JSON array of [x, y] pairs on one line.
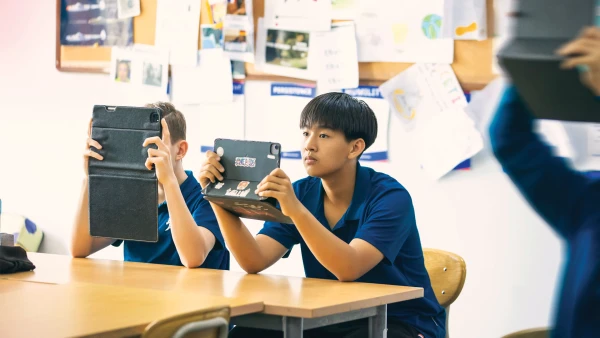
[[213, 162], [211, 170], [90, 128], [211, 154], [91, 153], [157, 141], [93, 143], [166, 132]]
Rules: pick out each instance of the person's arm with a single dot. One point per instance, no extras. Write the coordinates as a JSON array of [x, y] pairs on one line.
[[82, 244], [193, 241], [253, 254], [347, 261], [553, 189]]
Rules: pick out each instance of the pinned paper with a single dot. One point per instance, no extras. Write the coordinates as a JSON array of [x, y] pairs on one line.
[[465, 19], [337, 57], [423, 88], [306, 15], [177, 29], [402, 31], [142, 68], [128, 8], [344, 9]]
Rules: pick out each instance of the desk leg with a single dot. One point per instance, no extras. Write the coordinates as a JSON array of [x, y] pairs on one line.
[[292, 327], [378, 323]]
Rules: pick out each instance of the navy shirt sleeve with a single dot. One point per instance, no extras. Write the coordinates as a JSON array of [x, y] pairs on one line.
[[205, 217], [389, 222], [555, 191], [286, 234]]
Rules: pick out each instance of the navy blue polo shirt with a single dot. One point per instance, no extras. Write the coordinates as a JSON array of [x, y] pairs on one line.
[[164, 251], [381, 213]]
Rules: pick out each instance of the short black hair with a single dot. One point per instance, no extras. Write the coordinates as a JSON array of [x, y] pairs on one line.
[[341, 112]]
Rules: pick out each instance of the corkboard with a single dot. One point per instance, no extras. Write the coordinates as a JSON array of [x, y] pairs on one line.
[[472, 60], [89, 59]]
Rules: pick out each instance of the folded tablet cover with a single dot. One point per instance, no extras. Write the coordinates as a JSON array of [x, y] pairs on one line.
[[246, 164], [543, 26], [123, 193]]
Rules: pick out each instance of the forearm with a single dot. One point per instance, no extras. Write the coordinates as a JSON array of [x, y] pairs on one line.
[[82, 244], [240, 241], [190, 241], [334, 254]]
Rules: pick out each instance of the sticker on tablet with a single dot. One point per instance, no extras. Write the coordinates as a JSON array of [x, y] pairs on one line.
[[248, 162], [219, 185], [238, 193], [243, 185]]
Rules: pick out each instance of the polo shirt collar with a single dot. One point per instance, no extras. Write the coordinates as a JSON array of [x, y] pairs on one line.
[[362, 187]]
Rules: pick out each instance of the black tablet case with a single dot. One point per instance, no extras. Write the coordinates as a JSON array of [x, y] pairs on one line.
[[542, 27], [246, 164], [123, 193]]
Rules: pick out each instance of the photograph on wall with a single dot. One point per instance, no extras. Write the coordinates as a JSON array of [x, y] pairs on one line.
[[236, 7], [123, 71], [286, 48], [236, 40], [238, 31], [286, 53], [211, 37], [152, 75], [238, 70], [218, 10], [94, 22]]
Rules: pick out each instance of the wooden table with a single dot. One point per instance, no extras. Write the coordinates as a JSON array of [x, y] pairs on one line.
[[291, 304], [30, 309]]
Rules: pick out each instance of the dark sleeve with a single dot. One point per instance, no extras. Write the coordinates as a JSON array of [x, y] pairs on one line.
[[204, 216], [389, 222], [554, 190], [286, 234]]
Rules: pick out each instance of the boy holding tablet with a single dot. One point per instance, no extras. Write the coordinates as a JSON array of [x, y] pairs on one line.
[[188, 232], [352, 223]]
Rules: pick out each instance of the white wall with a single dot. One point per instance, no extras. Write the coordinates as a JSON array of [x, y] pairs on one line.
[[512, 257]]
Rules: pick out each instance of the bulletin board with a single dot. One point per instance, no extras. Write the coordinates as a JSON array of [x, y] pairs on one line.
[[472, 60], [90, 59]]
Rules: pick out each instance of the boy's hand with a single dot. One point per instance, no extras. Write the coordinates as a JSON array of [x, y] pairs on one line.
[[278, 185], [161, 157], [586, 49], [88, 152], [211, 169]]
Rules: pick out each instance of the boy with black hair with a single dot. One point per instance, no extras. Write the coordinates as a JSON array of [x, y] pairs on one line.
[[188, 233], [352, 223]]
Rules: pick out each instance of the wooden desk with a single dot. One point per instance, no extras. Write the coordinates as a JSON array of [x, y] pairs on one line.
[[290, 303], [29, 309]]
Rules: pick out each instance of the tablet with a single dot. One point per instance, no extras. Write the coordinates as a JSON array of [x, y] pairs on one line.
[[246, 164], [123, 193]]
